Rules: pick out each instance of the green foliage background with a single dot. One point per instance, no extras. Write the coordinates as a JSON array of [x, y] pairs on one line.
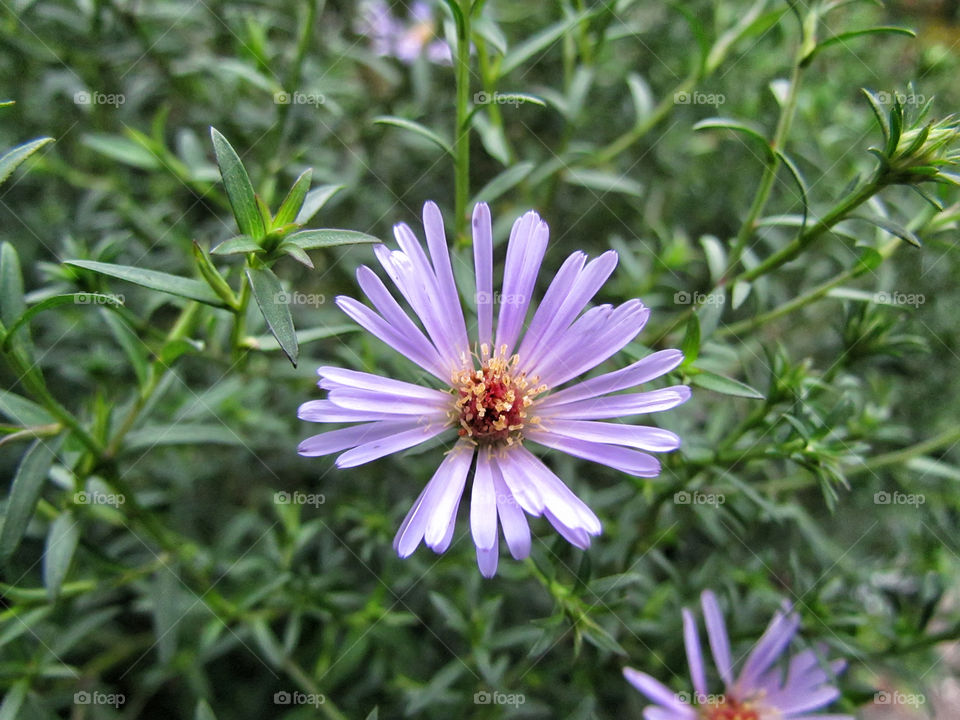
[[200, 588]]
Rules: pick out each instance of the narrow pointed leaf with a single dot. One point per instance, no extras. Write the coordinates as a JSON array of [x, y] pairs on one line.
[[13, 157], [504, 181], [83, 298], [744, 128], [61, 544], [25, 492], [155, 280], [416, 128], [725, 385], [239, 245], [271, 299], [891, 227], [315, 200], [239, 188], [311, 239], [293, 202]]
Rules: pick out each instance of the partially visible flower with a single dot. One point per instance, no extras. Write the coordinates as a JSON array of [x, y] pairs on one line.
[[405, 39], [500, 393], [765, 689]]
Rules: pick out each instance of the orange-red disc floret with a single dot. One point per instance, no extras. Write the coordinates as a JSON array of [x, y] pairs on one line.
[[730, 710], [491, 402]]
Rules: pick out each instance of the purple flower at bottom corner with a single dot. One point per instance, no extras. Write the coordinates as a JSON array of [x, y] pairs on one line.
[[764, 689], [494, 396]]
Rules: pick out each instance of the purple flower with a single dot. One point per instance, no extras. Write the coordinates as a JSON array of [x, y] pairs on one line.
[[762, 691], [498, 394], [404, 40]]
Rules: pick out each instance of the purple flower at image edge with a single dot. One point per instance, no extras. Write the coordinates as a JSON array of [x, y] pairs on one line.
[[405, 39], [764, 689], [500, 393]]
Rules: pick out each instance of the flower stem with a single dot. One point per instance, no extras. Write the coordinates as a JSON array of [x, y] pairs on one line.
[[462, 130]]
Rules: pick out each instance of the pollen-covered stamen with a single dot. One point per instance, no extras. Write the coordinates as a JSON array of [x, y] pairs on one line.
[[730, 709], [492, 401]]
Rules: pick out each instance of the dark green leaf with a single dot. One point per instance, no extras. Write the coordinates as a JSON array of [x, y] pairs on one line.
[[293, 202], [13, 157], [315, 200], [239, 188], [61, 543], [25, 492], [725, 385], [416, 128], [891, 227], [23, 411], [271, 299], [12, 304], [241, 244], [203, 711], [13, 700], [738, 126], [312, 239], [164, 282]]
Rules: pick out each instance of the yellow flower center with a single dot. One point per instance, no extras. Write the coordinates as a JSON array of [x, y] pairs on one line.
[[491, 403], [730, 710]]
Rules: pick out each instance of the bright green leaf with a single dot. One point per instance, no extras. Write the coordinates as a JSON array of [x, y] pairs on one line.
[[239, 188], [164, 282], [271, 299]]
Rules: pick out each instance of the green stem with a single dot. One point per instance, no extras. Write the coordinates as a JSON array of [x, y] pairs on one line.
[[898, 457], [784, 123], [462, 130]]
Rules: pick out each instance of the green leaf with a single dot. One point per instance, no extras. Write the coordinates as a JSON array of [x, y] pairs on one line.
[[290, 207], [13, 157], [744, 128], [416, 128], [690, 345], [538, 42], [61, 543], [506, 180], [328, 237], [241, 244], [25, 492], [13, 700], [853, 34], [801, 184], [182, 433], [123, 150], [267, 343], [725, 385], [603, 181], [12, 304], [82, 298], [23, 411], [878, 113], [239, 189], [213, 277], [891, 227], [270, 297], [296, 252], [131, 345], [155, 280], [315, 200]]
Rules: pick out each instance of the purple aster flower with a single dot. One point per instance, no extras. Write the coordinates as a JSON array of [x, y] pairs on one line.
[[498, 394], [404, 40], [764, 690]]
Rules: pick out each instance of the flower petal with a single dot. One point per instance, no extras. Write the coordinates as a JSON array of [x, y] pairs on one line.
[[550, 304], [691, 641], [336, 440], [632, 462], [456, 466], [483, 263], [649, 368], [380, 447], [487, 559], [334, 377], [557, 497], [658, 692], [483, 504], [528, 242], [640, 437], [717, 635], [771, 645], [326, 411], [516, 530], [440, 257], [615, 406]]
